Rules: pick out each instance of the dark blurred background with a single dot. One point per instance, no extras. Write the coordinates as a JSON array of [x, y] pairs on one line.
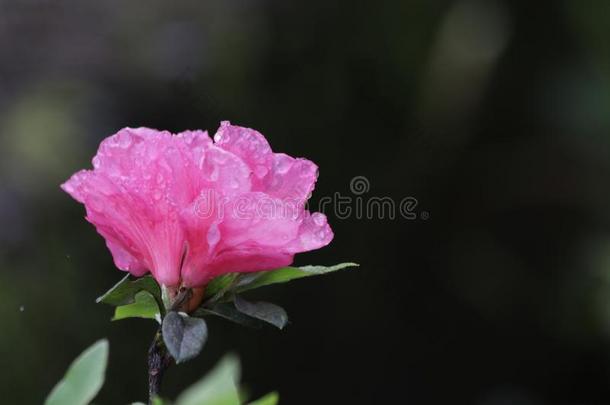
[[494, 115]]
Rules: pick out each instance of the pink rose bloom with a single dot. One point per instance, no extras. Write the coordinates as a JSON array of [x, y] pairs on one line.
[[187, 208]]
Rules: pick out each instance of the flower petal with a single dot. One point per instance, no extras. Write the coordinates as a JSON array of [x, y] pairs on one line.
[[291, 179], [250, 145], [186, 208], [313, 233]]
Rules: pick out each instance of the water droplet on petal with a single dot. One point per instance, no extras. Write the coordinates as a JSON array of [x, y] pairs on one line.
[[305, 239], [318, 219], [276, 182], [222, 136], [282, 165], [221, 157], [305, 171], [213, 235], [260, 171], [233, 183], [214, 173], [124, 140]]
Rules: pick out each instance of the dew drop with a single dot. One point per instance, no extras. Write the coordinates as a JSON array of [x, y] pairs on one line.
[[282, 165], [233, 183], [213, 235], [214, 173], [260, 171], [305, 171], [305, 239], [276, 183], [124, 140], [221, 157], [221, 136], [318, 219]]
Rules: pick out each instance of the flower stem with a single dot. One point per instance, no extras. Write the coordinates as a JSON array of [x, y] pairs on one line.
[[158, 362], [159, 359]]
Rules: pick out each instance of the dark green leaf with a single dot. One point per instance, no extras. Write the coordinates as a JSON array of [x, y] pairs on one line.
[[83, 379], [228, 311], [284, 274], [271, 398], [124, 292], [183, 335], [144, 306], [265, 311], [218, 387]]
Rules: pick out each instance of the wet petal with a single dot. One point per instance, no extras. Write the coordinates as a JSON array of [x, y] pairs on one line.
[[186, 208]]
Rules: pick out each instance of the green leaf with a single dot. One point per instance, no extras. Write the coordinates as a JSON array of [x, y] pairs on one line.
[[145, 306], [124, 292], [155, 401], [228, 311], [265, 311], [271, 398], [183, 335], [218, 387], [220, 284], [84, 377], [284, 274]]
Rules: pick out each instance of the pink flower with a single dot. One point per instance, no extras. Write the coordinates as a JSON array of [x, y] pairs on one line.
[[188, 208]]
